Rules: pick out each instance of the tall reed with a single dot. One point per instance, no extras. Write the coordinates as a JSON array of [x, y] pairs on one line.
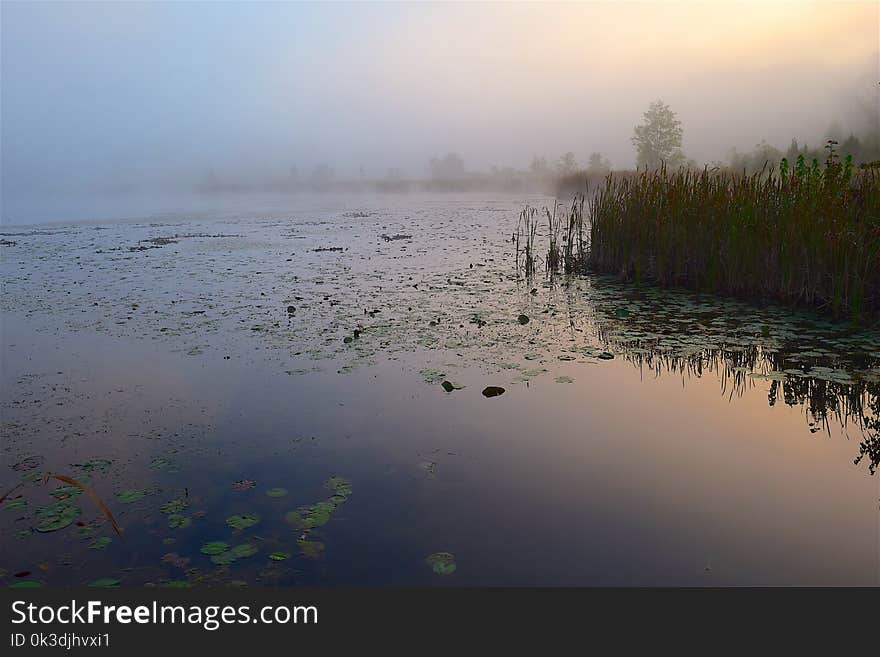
[[807, 234]]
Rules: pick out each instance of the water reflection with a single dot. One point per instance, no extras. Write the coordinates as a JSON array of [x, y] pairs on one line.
[[830, 370]]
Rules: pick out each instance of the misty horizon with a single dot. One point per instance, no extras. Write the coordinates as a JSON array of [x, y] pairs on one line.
[[124, 97]]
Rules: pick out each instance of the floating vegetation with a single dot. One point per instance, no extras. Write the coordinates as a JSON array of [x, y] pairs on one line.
[[308, 518], [442, 563], [178, 521], [243, 484], [105, 583], [174, 506], [94, 465], [242, 521], [279, 556], [493, 391], [131, 495], [56, 515], [276, 492], [432, 376], [214, 547], [241, 551], [100, 543]]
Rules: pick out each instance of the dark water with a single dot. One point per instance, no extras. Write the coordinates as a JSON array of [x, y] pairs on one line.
[[643, 437]]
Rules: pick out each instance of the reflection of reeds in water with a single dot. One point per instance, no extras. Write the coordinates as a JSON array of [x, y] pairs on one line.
[[805, 234], [855, 403]]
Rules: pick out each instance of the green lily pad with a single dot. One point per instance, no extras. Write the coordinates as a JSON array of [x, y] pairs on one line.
[[442, 563], [244, 550], [100, 542], [177, 521], [15, 504], [276, 492], [279, 556], [242, 521], [63, 492], [223, 559], [177, 584], [99, 465], [214, 547], [131, 495], [26, 584], [339, 486], [174, 506], [105, 583], [55, 516]]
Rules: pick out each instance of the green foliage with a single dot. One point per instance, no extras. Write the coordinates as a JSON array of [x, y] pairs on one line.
[[658, 138], [806, 235]]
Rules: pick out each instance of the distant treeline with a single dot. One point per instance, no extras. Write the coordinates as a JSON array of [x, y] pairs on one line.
[[657, 141]]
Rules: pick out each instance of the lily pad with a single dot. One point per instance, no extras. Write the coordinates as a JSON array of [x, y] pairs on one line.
[[214, 547], [131, 495], [442, 563], [63, 492], [279, 556], [493, 391], [276, 492], [55, 516], [105, 583], [174, 506], [243, 484], [242, 521], [95, 465], [100, 542], [177, 521], [244, 550], [339, 486], [15, 504], [26, 584]]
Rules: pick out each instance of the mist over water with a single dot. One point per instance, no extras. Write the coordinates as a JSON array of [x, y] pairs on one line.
[[129, 108]]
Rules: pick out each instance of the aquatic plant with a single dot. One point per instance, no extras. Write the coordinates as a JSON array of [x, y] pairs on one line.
[[524, 241], [805, 234]]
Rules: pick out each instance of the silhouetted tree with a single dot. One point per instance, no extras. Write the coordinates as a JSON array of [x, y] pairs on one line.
[[567, 164], [658, 138], [450, 167], [598, 165], [539, 166]]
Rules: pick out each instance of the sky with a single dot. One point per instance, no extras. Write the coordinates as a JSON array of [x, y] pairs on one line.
[[115, 93]]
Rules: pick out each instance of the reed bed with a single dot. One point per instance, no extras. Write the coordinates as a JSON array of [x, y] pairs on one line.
[[805, 235]]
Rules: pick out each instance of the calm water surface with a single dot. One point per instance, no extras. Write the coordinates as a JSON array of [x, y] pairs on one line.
[[255, 394]]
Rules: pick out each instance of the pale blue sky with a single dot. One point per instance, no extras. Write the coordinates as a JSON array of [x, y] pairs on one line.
[[97, 93]]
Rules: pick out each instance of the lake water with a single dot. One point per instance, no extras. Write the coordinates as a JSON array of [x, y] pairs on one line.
[[256, 394]]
